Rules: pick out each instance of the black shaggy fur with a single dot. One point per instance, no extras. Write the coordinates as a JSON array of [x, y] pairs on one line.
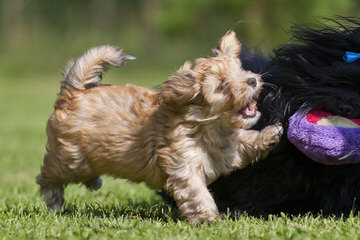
[[306, 74]]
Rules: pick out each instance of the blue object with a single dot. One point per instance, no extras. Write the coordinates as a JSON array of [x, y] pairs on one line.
[[351, 56]]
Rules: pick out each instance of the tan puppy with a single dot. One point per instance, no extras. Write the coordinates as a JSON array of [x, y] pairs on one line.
[[180, 139]]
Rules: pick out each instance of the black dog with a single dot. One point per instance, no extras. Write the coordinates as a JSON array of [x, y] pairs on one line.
[[307, 74]]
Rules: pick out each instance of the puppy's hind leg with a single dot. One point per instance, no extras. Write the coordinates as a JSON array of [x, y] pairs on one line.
[[93, 184], [52, 180], [53, 193]]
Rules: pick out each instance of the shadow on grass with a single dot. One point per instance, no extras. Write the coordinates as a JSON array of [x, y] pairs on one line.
[[153, 210], [144, 210]]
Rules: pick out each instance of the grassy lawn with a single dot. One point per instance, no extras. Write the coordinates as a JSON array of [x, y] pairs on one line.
[[119, 210]]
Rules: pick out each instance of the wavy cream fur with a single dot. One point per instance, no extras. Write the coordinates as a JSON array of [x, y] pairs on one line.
[[180, 138]]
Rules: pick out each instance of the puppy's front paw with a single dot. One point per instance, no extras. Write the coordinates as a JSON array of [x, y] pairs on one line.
[[271, 135], [205, 217]]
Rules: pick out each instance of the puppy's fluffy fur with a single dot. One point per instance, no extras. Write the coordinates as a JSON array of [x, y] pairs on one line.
[[180, 139]]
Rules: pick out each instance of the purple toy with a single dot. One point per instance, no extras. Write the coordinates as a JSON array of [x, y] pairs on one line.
[[326, 138]]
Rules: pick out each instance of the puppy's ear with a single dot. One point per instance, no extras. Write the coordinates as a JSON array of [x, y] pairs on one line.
[[181, 89], [228, 46]]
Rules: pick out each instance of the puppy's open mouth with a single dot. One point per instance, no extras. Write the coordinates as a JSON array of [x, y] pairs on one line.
[[248, 111]]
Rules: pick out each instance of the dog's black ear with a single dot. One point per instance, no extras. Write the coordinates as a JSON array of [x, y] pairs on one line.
[[228, 46], [181, 89]]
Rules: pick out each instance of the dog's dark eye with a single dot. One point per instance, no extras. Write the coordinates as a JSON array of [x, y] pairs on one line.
[[222, 85]]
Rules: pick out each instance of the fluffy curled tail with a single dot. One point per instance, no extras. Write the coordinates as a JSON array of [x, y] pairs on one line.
[[87, 70]]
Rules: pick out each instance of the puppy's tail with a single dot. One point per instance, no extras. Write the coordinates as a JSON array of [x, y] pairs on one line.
[[86, 71]]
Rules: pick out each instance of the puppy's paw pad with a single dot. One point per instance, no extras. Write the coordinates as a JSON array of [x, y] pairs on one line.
[[94, 184], [272, 135], [204, 218], [56, 207], [278, 130]]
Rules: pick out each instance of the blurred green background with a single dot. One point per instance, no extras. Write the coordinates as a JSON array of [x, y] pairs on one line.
[[38, 36]]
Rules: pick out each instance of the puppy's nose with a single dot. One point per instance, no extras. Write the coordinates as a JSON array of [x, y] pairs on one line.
[[252, 82]]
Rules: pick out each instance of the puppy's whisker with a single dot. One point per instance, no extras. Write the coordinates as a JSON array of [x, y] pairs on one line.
[[273, 86], [264, 74]]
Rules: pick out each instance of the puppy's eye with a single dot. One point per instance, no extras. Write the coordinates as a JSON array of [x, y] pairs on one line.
[[222, 85]]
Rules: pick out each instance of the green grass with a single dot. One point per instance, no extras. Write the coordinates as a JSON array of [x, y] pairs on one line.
[[120, 209]]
